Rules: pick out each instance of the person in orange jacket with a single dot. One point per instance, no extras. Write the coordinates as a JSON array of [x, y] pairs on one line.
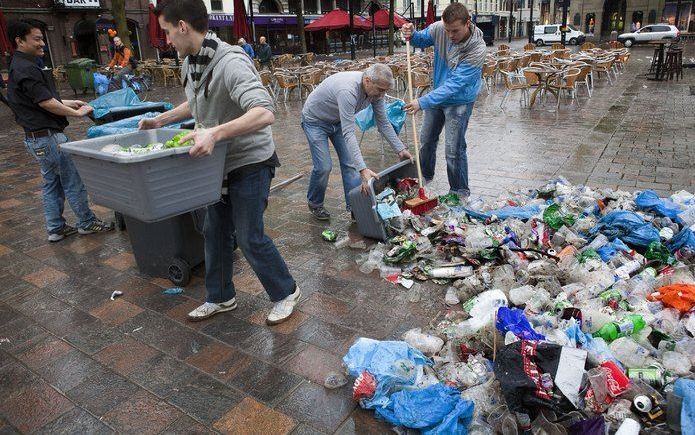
[[121, 60]]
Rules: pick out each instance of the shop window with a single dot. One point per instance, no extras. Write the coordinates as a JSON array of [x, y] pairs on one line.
[[577, 19], [216, 5]]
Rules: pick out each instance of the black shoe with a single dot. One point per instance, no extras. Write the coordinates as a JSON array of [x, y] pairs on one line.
[[62, 233], [320, 213], [96, 226]]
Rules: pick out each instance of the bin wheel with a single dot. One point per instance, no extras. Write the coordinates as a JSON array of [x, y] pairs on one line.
[[179, 272], [120, 222]]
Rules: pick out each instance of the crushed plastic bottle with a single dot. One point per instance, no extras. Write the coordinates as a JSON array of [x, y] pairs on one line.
[[335, 380]]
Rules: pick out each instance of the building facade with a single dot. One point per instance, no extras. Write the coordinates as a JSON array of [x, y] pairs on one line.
[[78, 28]]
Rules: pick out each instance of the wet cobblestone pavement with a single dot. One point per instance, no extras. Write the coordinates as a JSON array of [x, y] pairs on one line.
[[73, 361]]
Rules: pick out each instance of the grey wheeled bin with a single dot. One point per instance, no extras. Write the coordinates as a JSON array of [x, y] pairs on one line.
[[169, 248], [369, 224]]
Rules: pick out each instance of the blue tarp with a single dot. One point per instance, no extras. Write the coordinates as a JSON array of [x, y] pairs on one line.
[[685, 388], [122, 99], [122, 126]]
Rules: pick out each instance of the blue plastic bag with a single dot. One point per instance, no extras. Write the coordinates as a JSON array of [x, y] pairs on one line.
[[396, 115], [101, 83], [122, 126], [437, 409], [120, 99], [364, 119], [513, 319], [521, 213], [383, 360], [628, 226], [649, 200], [607, 251], [685, 388], [685, 238]]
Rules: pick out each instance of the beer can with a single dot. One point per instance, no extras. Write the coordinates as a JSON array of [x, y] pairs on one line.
[[651, 375]]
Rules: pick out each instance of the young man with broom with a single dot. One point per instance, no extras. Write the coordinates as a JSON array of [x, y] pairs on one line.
[[459, 54]]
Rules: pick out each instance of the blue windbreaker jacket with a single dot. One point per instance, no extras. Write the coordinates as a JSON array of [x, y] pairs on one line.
[[457, 67]]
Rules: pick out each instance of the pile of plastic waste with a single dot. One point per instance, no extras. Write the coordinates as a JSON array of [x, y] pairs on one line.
[[569, 310]]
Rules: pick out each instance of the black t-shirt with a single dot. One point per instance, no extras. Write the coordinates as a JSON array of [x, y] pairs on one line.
[[28, 85]]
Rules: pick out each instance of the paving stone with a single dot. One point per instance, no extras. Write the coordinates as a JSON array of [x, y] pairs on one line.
[[251, 417], [265, 382], [103, 392], [35, 407], [75, 421], [69, 370], [126, 355], [142, 414], [116, 312], [204, 398], [363, 422], [320, 408]]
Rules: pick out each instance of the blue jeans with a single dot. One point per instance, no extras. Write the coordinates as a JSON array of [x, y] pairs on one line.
[[455, 120], [242, 213], [318, 133], [60, 181]]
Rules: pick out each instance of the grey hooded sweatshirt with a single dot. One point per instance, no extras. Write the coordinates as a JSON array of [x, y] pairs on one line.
[[228, 88]]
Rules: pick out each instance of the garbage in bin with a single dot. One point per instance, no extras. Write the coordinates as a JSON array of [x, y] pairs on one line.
[[592, 301], [160, 185]]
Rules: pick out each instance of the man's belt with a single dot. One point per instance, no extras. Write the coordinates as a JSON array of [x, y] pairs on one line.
[[39, 133]]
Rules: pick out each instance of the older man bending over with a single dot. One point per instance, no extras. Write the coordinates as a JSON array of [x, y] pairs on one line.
[[329, 113]]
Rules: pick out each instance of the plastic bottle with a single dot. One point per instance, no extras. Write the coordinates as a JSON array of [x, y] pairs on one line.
[[676, 363], [628, 325], [537, 302], [630, 353], [629, 427], [520, 295]]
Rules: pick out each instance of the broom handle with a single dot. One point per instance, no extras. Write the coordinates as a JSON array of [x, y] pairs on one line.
[[410, 94]]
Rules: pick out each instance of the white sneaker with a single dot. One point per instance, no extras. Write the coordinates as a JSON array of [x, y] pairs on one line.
[[209, 309], [283, 309]]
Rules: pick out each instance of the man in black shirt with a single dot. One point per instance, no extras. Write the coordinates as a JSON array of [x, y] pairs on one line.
[[37, 107]]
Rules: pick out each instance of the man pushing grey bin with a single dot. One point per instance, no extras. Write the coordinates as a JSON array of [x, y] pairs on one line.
[[230, 106]]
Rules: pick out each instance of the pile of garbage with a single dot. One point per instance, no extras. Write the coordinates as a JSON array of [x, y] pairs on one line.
[[569, 310]]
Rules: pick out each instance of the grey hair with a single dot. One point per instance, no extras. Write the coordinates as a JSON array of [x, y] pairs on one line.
[[380, 73]]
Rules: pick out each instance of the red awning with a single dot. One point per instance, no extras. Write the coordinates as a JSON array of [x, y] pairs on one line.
[[338, 19], [429, 19], [381, 20], [5, 44], [241, 25], [155, 33]]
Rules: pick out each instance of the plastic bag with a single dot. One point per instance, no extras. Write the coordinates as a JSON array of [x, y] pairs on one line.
[[607, 251], [513, 319], [123, 126], [101, 84], [628, 226], [364, 119], [508, 212], [437, 409], [120, 99], [685, 238], [679, 296], [649, 200], [394, 364], [396, 115], [685, 388]]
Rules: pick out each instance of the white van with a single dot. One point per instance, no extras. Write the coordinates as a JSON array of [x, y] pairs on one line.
[[549, 33]]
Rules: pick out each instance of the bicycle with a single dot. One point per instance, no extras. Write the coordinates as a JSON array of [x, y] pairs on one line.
[[141, 83]]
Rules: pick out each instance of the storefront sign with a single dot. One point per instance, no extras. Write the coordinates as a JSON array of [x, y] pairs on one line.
[[220, 20], [81, 3]]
